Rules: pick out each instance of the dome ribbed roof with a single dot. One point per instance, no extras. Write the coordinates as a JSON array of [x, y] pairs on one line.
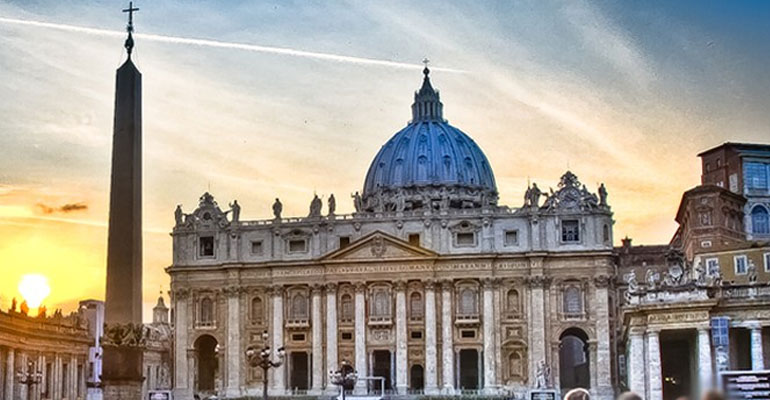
[[429, 152]]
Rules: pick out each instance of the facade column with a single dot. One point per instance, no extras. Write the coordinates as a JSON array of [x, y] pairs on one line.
[[490, 374], [431, 377], [705, 369], [635, 361], [9, 373], [757, 355], [331, 333], [401, 356], [537, 342], [447, 347], [232, 367], [360, 351], [279, 381], [654, 374], [603, 356], [181, 324], [318, 353]]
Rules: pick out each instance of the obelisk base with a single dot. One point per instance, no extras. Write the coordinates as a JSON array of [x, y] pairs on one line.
[[122, 372]]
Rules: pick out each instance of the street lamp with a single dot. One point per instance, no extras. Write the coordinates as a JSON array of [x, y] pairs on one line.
[[261, 358], [30, 378], [345, 377]]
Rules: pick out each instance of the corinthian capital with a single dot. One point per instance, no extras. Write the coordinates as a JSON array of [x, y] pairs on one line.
[[538, 281], [602, 281]]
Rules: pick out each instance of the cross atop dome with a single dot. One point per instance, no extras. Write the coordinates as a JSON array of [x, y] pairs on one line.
[[427, 104]]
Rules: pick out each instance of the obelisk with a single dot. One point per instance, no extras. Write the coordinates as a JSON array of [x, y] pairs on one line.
[[123, 343]]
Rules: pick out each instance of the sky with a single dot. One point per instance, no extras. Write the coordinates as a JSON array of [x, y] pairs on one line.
[[257, 100]]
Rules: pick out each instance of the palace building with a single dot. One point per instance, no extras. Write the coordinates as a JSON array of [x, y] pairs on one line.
[[432, 284]]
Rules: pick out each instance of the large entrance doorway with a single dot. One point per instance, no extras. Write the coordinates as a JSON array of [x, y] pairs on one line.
[[469, 369], [381, 367], [416, 377], [574, 371], [298, 378], [676, 357], [205, 349]]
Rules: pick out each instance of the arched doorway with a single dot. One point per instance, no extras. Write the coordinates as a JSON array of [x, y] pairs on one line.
[[574, 363], [205, 349], [416, 377]]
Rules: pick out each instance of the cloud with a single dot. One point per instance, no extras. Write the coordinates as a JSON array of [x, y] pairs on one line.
[[66, 208]]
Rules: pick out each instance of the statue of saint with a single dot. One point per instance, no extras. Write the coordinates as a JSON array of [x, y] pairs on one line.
[[24, 307], [13, 305], [277, 208], [315, 206], [357, 202], [602, 195], [332, 203], [178, 215], [534, 195], [236, 209], [542, 374]]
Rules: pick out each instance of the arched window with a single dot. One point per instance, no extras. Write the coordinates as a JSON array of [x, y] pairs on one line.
[[759, 221], [415, 306], [206, 311], [381, 304], [257, 310], [512, 301], [299, 306], [573, 301], [606, 233], [468, 304], [346, 306]]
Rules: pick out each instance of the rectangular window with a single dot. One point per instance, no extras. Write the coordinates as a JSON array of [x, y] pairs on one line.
[[767, 262], [570, 231], [256, 247], [740, 265], [468, 334], [347, 336], [206, 246], [465, 238], [511, 238], [755, 174], [297, 245], [298, 337], [414, 239], [344, 241], [712, 266], [416, 334]]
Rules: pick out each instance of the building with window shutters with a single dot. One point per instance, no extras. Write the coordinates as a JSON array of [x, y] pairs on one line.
[[431, 284]]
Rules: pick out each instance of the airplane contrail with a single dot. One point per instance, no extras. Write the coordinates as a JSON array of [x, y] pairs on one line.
[[226, 45]]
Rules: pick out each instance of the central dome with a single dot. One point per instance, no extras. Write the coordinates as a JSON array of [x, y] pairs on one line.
[[428, 164]]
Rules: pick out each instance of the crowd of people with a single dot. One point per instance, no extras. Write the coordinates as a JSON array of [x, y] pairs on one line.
[[582, 394]]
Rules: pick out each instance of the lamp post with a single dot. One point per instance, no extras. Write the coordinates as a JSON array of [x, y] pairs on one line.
[[261, 358], [345, 377], [30, 377]]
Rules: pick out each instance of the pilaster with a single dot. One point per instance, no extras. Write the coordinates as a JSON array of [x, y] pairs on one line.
[[490, 375], [317, 332], [331, 333], [757, 355], [654, 377], [360, 336], [431, 376], [279, 381], [447, 347], [401, 350]]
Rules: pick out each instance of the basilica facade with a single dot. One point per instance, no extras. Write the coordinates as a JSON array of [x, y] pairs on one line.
[[432, 285]]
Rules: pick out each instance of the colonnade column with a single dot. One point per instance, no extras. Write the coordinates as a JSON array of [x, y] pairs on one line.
[[318, 354], [447, 347], [431, 373], [232, 365], [757, 357], [73, 377], [635, 361], [705, 370], [490, 374], [278, 379], [537, 343], [9, 373], [331, 332], [603, 357], [181, 323], [654, 375], [360, 351], [401, 360]]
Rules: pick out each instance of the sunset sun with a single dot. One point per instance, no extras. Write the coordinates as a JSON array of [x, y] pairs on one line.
[[34, 288]]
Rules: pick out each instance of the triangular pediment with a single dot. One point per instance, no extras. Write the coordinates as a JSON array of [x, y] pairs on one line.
[[379, 245]]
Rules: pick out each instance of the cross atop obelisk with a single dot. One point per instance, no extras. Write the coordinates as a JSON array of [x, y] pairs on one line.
[[130, 27]]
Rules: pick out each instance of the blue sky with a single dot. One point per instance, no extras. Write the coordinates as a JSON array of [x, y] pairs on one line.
[[625, 93]]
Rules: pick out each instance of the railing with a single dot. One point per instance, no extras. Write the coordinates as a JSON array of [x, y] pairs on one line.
[[205, 324], [380, 320], [467, 319], [298, 322]]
